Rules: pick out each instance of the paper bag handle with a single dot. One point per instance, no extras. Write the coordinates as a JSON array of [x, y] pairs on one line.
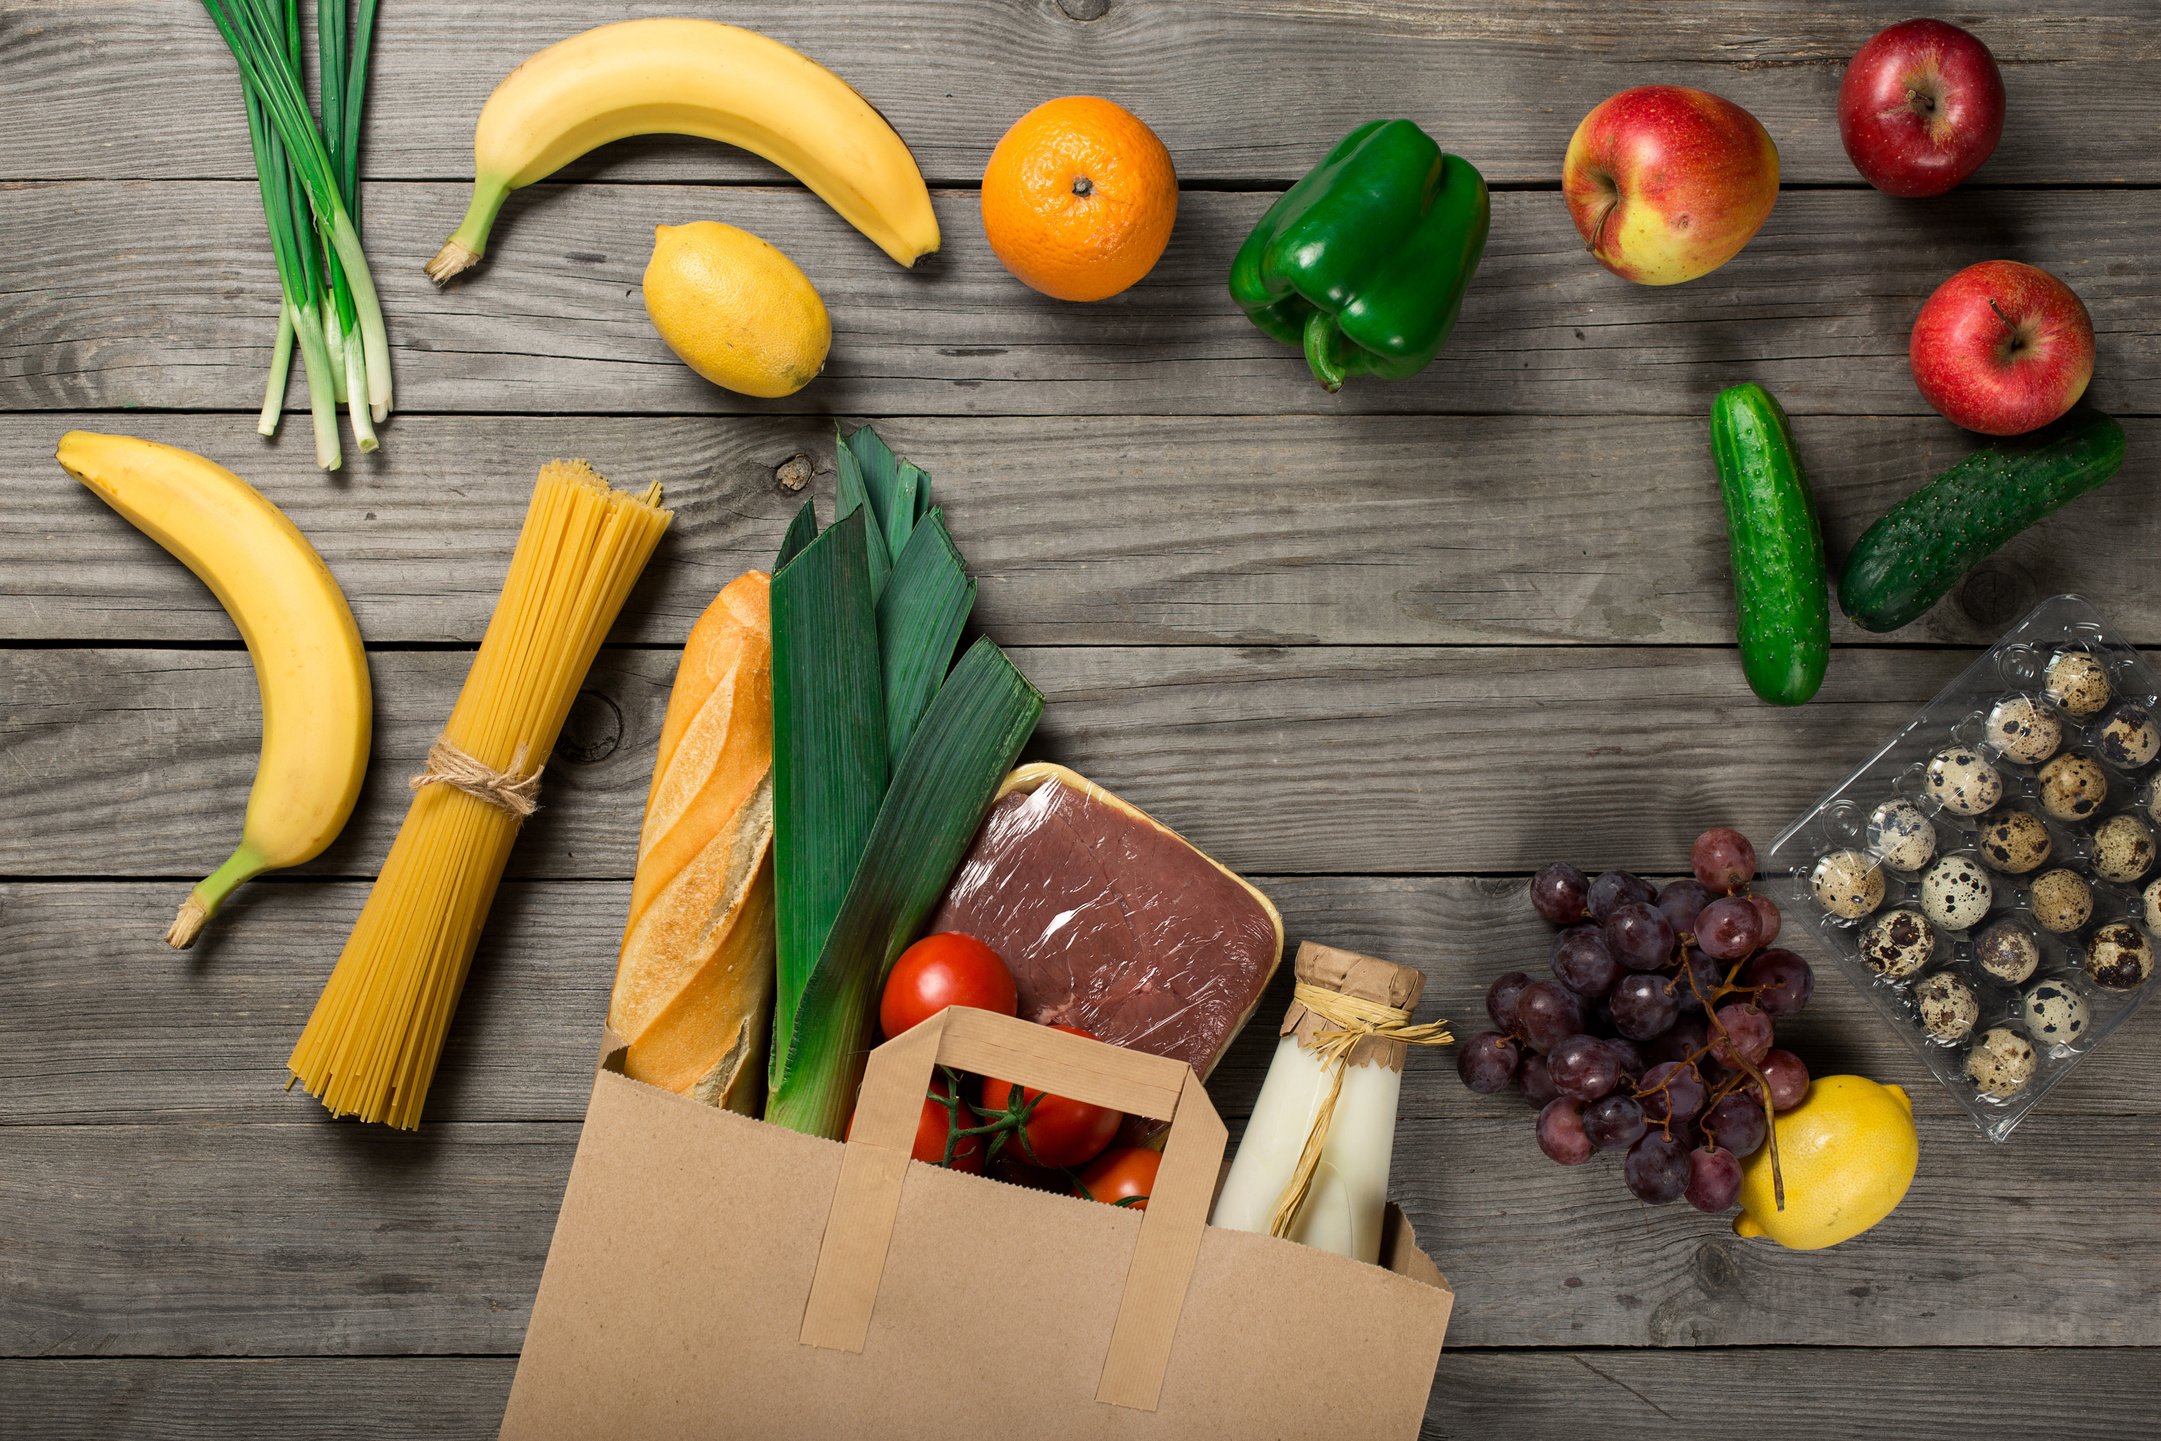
[[874, 1164]]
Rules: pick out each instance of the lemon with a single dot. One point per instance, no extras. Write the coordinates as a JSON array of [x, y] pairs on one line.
[[1848, 1152], [735, 309]]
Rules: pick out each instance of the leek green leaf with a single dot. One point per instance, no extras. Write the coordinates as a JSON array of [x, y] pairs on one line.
[[829, 743], [926, 602], [852, 496], [801, 532]]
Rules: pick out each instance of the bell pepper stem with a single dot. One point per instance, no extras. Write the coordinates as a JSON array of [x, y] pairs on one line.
[[1321, 351]]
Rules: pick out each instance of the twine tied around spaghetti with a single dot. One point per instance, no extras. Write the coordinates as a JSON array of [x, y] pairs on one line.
[[1350, 1019], [507, 790]]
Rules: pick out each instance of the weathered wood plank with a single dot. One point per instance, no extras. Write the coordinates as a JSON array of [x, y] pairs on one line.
[[199, 1238], [1314, 529], [1816, 1395], [1314, 759], [161, 295], [1235, 89], [101, 1028], [312, 1238]]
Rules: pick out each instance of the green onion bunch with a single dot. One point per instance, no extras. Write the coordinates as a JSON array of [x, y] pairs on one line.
[[309, 170]]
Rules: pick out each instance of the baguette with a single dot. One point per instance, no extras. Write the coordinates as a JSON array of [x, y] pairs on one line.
[[694, 985]]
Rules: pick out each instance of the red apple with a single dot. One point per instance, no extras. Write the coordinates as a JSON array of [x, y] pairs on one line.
[[1668, 183], [2002, 348], [1921, 107]]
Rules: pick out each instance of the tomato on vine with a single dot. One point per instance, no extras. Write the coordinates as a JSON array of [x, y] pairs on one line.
[[1122, 1177], [1048, 1130], [946, 1123]]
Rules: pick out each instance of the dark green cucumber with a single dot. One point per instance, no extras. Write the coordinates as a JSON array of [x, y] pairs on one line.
[[1905, 562], [1781, 586]]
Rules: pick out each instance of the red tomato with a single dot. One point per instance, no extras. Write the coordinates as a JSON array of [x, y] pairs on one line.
[[1123, 1177], [948, 969], [1054, 1131], [932, 1128]]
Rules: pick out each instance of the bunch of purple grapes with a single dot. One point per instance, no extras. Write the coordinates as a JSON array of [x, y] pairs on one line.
[[1654, 1036]]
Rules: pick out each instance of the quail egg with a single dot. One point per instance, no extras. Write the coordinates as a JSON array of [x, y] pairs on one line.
[[2129, 739], [1956, 893], [2123, 849], [1897, 944], [2014, 842], [2007, 950], [1948, 1007], [2153, 906], [2062, 901], [1902, 833], [2072, 788], [1848, 884], [2077, 682], [1963, 782], [2055, 1013], [2001, 1063], [2024, 730], [2119, 956], [2153, 802]]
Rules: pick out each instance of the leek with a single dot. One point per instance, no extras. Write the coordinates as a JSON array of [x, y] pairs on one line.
[[866, 619]]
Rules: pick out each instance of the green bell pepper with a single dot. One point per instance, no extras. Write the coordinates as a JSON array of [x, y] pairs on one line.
[[1364, 262]]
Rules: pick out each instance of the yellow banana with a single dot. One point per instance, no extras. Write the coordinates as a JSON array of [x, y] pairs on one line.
[[703, 78], [309, 667]]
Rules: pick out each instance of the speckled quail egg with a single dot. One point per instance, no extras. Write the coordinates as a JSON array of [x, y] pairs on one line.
[[1848, 884], [1902, 834], [2007, 949], [2025, 730], [2119, 956], [1963, 782], [2129, 739], [1948, 1007], [1956, 893], [2072, 788], [2001, 1063], [2055, 1013], [2062, 901], [2077, 682], [1897, 944], [2014, 842], [2153, 802], [2153, 905], [2123, 849]]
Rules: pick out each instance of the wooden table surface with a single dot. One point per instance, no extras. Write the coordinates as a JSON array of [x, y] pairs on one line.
[[1384, 651]]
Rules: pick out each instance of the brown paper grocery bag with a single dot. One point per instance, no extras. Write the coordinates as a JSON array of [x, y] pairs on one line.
[[714, 1276]]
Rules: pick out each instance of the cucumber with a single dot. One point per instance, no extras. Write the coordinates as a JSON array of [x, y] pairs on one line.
[[1781, 586], [1905, 562]]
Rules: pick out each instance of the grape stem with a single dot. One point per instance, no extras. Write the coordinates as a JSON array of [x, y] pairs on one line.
[[1763, 1084]]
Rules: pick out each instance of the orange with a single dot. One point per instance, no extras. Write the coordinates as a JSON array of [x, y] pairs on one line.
[[1079, 198]]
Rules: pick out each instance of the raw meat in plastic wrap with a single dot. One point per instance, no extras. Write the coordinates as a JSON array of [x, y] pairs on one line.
[[1112, 922]]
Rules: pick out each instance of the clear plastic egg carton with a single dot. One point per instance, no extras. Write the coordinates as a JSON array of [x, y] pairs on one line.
[[1922, 878]]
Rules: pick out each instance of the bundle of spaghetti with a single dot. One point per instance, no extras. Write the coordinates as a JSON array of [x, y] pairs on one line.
[[370, 1048]]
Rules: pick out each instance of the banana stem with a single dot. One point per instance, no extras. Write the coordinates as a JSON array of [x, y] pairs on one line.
[[203, 902], [470, 241], [281, 369]]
